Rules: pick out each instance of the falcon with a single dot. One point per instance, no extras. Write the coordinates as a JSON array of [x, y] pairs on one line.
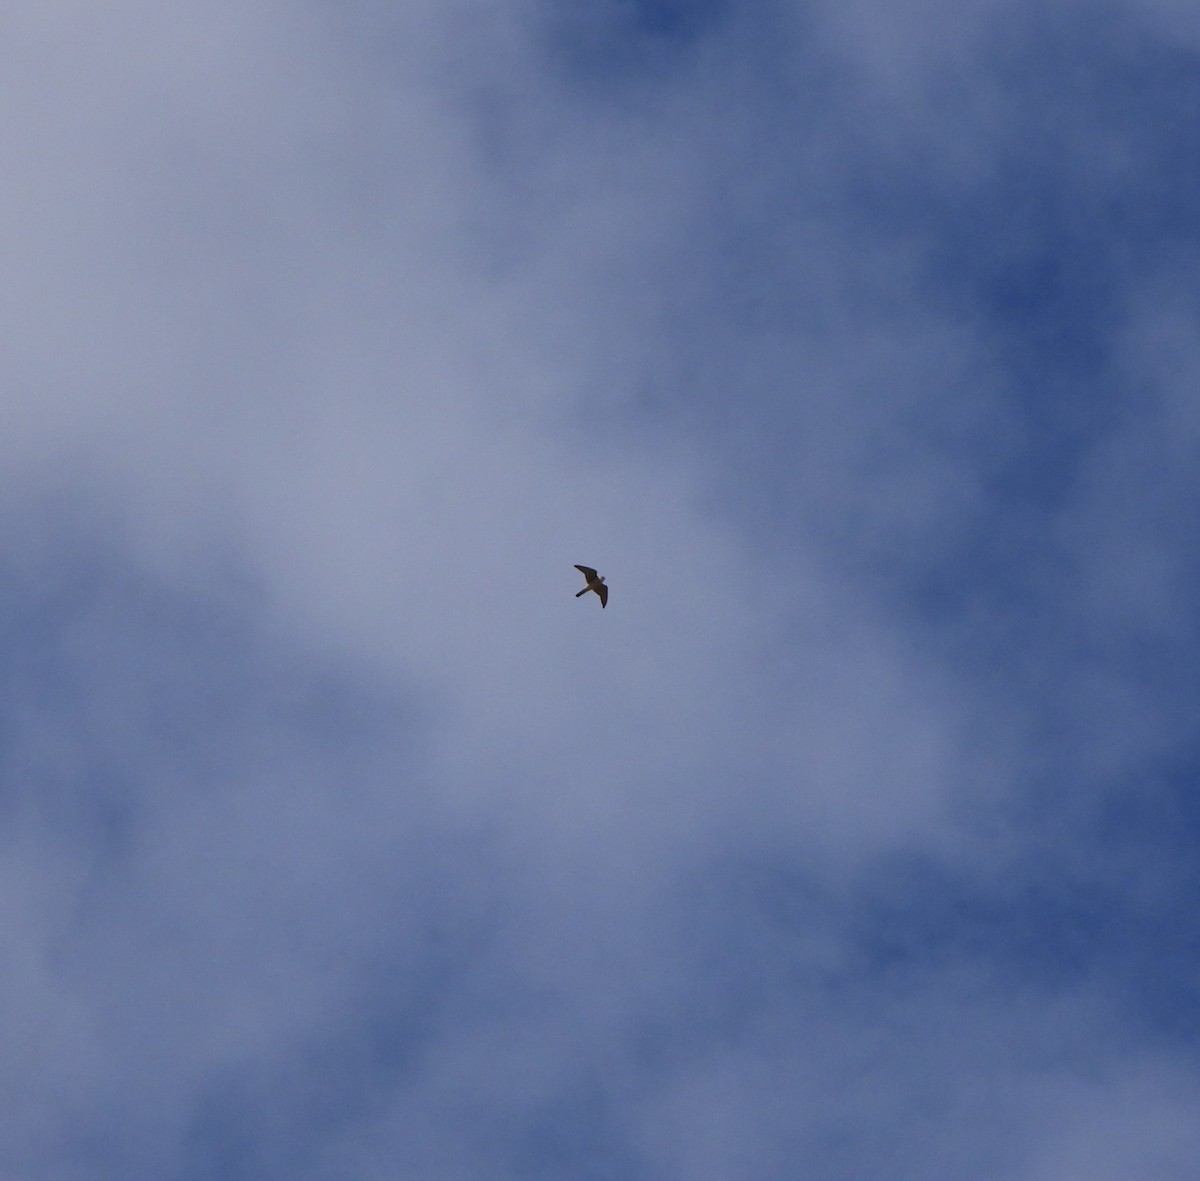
[[595, 582]]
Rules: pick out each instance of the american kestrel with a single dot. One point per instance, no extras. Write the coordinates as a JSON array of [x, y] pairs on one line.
[[595, 582]]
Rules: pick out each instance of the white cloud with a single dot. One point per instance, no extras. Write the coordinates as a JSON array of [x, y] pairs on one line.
[[377, 311]]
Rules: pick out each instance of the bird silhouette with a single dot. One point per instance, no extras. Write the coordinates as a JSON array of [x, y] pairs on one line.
[[595, 582]]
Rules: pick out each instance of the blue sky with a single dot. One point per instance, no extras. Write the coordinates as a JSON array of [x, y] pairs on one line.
[[856, 346]]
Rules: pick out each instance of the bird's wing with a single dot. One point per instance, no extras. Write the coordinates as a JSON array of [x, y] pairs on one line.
[[602, 591], [587, 572]]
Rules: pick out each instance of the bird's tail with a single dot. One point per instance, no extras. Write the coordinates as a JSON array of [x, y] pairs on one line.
[[580, 594]]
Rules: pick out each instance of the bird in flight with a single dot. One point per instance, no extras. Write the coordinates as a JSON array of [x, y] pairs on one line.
[[595, 582]]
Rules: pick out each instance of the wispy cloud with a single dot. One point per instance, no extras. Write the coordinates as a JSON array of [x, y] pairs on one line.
[[854, 838]]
